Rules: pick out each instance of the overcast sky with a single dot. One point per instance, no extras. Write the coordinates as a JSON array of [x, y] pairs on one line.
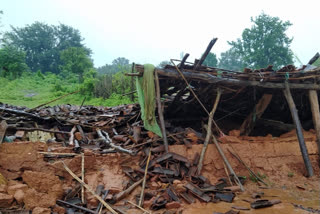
[[150, 31]]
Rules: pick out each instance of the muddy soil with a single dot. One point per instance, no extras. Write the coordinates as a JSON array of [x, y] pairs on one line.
[[37, 182]]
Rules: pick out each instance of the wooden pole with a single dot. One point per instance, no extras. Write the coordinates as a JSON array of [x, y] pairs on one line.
[[249, 123], [205, 54], [161, 118], [89, 189], [314, 103], [225, 160], [205, 77], [209, 130], [132, 84], [144, 180], [295, 118], [82, 177], [184, 59]]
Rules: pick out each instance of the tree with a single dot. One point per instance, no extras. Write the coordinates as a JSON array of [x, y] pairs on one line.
[[265, 43], [231, 60], [1, 12], [120, 61], [43, 43], [211, 60], [12, 62], [75, 60], [162, 64]]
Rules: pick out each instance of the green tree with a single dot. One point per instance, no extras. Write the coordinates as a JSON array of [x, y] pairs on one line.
[[1, 12], [43, 43], [162, 64], [211, 60], [265, 43], [231, 60], [75, 60], [12, 62]]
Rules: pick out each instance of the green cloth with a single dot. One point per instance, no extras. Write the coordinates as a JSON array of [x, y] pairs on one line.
[[146, 97]]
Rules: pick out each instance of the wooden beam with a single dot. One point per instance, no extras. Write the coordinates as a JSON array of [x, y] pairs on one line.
[[209, 78], [160, 113], [249, 123], [205, 54], [209, 130], [314, 103], [295, 118], [184, 59]]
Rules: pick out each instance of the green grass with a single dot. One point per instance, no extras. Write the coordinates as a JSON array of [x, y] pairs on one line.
[[45, 88]]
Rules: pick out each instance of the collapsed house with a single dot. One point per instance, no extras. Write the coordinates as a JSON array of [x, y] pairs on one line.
[[218, 128]]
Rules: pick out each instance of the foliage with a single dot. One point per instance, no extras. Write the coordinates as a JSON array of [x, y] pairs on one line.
[[111, 78], [162, 64], [76, 61], [12, 62], [1, 12], [265, 43], [211, 60], [32, 90], [254, 179], [231, 60], [290, 174], [43, 43], [120, 63], [88, 85]]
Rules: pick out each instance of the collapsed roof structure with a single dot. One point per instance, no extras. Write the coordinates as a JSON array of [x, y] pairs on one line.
[[66, 159], [256, 101]]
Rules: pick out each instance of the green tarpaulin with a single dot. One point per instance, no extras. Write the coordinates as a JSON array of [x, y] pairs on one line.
[[147, 99]]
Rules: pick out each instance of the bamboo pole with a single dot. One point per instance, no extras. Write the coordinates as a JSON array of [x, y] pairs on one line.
[[295, 118], [209, 130], [161, 118], [227, 163], [144, 179], [89, 189], [82, 177], [314, 103]]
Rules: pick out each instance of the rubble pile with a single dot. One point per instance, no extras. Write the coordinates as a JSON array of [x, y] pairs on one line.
[[119, 154], [183, 159]]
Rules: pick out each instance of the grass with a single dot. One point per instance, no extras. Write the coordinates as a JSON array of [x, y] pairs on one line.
[[31, 90]]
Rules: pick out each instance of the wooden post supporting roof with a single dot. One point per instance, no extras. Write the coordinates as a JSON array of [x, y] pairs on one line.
[[295, 118], [249, 123], [160, 113], [314, 103]]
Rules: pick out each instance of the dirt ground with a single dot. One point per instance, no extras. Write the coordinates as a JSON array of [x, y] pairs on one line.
[[34, 181]]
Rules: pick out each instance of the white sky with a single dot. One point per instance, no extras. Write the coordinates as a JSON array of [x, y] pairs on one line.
[[147, 31]]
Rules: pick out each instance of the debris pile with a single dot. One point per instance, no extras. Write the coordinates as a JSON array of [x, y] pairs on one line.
[[119, 156], [71, 159]]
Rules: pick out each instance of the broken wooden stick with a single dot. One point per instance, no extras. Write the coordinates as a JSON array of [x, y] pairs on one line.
[[58, 154], [295, 118], [227, 163], [76, 206], [89, 189], [3, 128], [138, 206], [144, 179], [74, 92], [82, 177], [314, 103], [37, 129], [105, 136], [127, 191], [249, 123], [205, 54], [71, 138], [241, 161], [160, 113], [209, 130]]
